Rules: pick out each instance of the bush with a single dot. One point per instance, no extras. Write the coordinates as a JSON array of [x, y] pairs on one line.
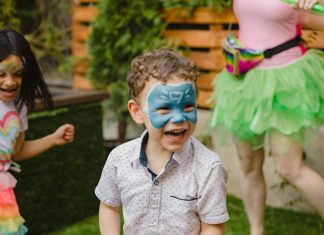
[[8, 15], [123, 30], [56, 189]]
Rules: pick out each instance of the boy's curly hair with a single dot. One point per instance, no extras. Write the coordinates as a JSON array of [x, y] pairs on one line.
[[161, 64]]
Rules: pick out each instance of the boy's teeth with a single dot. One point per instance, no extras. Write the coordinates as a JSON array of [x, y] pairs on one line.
[[175, 132]]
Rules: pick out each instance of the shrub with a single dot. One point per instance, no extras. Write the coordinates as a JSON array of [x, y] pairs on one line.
[[8, 15]]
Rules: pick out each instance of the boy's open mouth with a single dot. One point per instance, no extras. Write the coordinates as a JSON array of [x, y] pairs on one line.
[[176, 133]]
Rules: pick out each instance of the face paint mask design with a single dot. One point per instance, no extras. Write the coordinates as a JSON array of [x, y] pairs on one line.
[[168, 103]]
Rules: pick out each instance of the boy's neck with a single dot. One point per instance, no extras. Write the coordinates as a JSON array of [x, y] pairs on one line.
[[157, 157]]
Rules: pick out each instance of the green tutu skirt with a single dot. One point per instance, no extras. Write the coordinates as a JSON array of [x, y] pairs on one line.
[[289, 99]]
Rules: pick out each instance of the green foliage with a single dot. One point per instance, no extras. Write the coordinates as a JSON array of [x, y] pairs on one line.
[[50, 38], [8, 15], [218, 5], [123, 30], [118, 94], [56, 189]]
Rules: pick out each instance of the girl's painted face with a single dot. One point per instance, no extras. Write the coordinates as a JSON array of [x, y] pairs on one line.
[[174, 103], [11, 71]]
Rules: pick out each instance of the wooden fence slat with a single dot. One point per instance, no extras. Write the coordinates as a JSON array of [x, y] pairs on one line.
[[208, 60], [79, 49], [204, 99], [80, 67], [201, 15], [84, 13], [85, 1], [80, 82], [80, 32], [201, 39], [205, 80]]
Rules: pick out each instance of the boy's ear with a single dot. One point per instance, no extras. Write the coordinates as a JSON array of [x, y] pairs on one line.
[[135, 111]]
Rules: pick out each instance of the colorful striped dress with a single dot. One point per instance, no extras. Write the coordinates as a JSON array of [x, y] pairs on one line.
[[11, 124]]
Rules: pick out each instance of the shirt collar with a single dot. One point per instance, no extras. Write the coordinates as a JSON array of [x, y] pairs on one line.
[[135, 159], [183, 154], [179, 156]]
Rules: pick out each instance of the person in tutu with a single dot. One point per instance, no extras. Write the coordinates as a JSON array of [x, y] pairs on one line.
[[21, 81], [281, 98]]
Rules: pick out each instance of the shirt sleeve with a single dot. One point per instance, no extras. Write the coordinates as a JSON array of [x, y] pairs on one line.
[[212, 196], [107, 189], [23, 118]]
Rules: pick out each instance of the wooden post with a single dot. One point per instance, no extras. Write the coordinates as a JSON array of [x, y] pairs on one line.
[[83, 13]]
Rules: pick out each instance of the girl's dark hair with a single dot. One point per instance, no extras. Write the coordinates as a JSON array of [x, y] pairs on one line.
[[33, 83]]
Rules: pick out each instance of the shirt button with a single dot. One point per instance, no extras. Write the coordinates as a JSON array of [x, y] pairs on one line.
[[156, 182]]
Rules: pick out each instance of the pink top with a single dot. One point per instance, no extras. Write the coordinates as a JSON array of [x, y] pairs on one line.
[[265, 24]]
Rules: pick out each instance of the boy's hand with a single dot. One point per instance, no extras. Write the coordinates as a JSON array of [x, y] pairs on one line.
[[64, 134]]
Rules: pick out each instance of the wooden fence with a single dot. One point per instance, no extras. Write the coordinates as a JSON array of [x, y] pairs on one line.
[[201, 33]]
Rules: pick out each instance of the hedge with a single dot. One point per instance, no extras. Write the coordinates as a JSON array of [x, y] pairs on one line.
[[56, 189]]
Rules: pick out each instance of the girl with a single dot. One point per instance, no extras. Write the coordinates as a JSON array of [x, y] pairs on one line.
[[281, 97], [21, 81]]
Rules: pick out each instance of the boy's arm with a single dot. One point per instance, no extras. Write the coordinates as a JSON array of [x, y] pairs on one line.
[[109, 220], [27, 149], [212, 229]]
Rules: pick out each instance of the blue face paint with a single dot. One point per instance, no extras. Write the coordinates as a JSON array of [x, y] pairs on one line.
[[171, 103]]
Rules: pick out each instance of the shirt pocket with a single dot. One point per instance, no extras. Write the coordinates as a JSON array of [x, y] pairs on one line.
[[183, 204], [184, 217]]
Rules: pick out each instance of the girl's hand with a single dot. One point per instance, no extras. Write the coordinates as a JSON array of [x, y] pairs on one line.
[[64, 134], [305, 4]]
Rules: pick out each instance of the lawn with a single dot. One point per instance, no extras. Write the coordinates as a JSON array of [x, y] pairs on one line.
[[278, 221]]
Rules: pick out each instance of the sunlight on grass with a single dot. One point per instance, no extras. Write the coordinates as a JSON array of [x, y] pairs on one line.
[[89, 226], [278, 221]]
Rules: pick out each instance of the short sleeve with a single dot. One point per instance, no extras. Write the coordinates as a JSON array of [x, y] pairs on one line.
[[212, 196], [107, 189], [23, 118]]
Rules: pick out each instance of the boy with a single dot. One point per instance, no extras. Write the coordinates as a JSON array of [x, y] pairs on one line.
[[166, 181]]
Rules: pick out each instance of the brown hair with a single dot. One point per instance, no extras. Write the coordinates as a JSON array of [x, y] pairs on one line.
[[160, 64]]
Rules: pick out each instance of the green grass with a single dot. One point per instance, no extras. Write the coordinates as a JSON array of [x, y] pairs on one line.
[[278, 222]]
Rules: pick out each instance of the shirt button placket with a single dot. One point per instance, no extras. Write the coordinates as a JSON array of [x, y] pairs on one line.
[[154, 206]]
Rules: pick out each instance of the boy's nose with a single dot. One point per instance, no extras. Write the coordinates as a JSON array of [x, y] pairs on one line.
[[178, 117]]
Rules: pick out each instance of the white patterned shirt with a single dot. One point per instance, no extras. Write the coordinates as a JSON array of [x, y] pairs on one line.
[[191, 189]]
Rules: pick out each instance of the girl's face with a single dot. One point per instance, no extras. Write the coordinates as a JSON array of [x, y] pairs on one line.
[[11, 71]]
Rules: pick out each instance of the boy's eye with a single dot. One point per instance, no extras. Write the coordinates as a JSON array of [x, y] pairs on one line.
[[189, 107], [163, 110]]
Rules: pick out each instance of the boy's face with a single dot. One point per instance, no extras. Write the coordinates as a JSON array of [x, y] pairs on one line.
[[169, 112]]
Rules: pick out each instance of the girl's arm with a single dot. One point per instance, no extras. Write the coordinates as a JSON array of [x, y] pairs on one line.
[[212, 229], [311, 20], [28, 149], [109, 220]]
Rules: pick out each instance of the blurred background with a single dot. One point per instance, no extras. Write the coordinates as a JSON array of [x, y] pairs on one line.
[[84, 48]]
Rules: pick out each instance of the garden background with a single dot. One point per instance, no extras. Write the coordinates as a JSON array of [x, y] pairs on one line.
[[84, 48]]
